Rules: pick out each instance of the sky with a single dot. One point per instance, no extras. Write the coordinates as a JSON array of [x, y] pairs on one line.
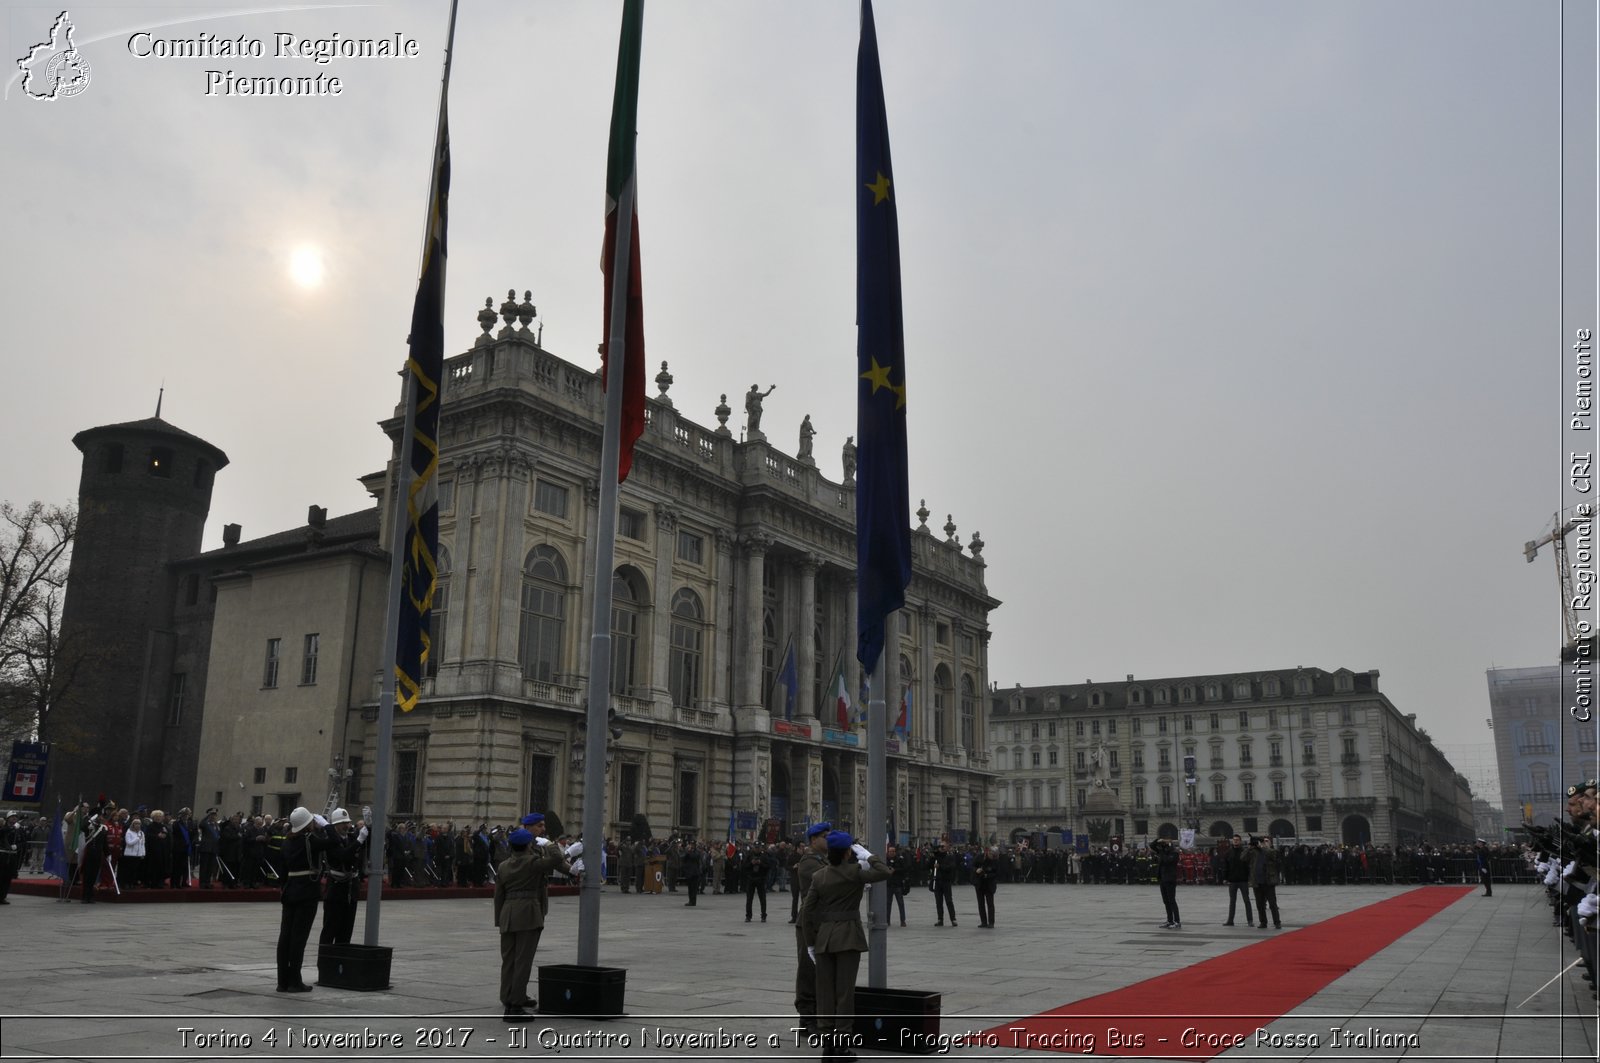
[[1232, 327]]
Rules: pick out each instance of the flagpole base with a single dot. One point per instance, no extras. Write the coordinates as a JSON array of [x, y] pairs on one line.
[[363, 968], [582, 991], [898, 1020]]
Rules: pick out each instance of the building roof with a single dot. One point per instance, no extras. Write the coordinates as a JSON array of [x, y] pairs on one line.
[[356, 531], [153, 427], [1115, 695]]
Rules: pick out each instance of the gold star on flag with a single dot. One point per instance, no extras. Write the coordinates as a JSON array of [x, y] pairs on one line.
[[900, 396], [879, 376], [880, 189]]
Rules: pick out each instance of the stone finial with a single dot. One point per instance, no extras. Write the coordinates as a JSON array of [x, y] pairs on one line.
[[527, 311], [508, 309], [486, 315], [723, 412], [923, 514], [950, 529], [663, 382], [976, 546]]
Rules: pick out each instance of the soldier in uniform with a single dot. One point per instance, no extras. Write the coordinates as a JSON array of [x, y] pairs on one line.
[[812, 860], [831, 915], [342, 859], [625, 862], [302, 851], [231, 849], [691, 869], [521, 897]]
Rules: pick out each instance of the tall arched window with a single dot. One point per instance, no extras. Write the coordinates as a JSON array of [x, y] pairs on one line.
[[627, 606], [969, 711], [688, 634], [440, 612], [943, 693], [544, 611]]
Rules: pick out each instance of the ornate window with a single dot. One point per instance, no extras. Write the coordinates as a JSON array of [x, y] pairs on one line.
[[439, 614], [544, 597], [969, 712], [627, 612], [688, 637]]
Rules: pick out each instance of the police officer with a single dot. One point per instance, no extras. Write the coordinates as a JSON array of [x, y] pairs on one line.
[[343, 866], [302, 850]]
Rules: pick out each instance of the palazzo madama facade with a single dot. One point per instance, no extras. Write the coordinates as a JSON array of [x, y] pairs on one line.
[[729, 552]]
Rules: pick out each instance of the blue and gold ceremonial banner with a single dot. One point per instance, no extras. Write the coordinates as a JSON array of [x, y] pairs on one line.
[[25, 778], [883, 493], [419, 576]]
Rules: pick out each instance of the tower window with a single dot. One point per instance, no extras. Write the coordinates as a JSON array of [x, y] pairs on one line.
[[160, 462]]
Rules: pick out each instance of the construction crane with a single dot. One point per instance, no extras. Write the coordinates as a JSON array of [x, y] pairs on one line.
[[1557, 538]]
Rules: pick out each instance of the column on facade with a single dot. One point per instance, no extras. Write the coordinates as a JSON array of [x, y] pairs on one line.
[[929, 691], [805, 641], [721, 619], [580, 590], [852, 667], [661, 629], [751, 696], [516, 480]]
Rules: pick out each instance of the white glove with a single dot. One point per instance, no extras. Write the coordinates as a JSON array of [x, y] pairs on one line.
[[1552, 876], [1590, 905], [541, 841], [1567, 871], [361, 835], [319, 820], [861, 852], [812, 952]]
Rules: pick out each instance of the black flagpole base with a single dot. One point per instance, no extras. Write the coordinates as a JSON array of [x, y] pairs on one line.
[[582, 991], [898, 1020], [360, 967]]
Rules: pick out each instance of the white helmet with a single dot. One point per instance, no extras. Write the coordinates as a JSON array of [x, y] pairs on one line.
[[339, 816], [299, 819]]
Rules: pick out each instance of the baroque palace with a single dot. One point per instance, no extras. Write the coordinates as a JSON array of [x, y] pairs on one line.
[[1299, 753], [261, 660]]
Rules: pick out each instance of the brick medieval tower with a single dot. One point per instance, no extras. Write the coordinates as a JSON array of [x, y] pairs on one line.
[[142, 504]]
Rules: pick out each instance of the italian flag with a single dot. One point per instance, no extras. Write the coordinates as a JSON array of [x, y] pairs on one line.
[[622, 240], [841, 700]]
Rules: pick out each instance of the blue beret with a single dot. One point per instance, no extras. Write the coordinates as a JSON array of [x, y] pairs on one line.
[[520, 838], [818, 828], [531, 818], [840, 840]]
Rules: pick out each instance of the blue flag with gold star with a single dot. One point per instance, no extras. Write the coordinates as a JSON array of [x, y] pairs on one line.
[[883, 492]]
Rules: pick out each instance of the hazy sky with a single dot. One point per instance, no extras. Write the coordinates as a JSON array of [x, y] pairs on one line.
[[1233, 327]]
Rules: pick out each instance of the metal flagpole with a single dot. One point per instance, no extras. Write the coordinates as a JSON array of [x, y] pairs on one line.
[[397, 527], [876, 833], [596, 734]]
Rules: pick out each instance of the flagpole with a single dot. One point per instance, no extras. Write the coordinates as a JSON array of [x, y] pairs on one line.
[[378, 827], [877, 828]]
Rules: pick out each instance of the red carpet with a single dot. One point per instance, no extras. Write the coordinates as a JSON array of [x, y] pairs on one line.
[[1271, 978]]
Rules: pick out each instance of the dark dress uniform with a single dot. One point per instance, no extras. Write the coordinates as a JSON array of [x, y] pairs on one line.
[[757, 864], [13, 843], [301, 852], [831, 915], [985, 881], [342, 856], [945, 866]]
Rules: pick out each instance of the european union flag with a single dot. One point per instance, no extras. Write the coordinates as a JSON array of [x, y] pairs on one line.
[[419, 547], [883, 492]]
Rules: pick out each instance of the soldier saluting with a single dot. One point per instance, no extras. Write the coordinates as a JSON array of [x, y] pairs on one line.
[[343, 867]]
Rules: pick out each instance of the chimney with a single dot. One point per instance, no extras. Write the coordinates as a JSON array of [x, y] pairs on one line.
[[230, 534], [1130, 677], [316, 516]]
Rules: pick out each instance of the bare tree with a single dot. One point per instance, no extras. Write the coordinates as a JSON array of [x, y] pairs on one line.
[[35, 665]]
